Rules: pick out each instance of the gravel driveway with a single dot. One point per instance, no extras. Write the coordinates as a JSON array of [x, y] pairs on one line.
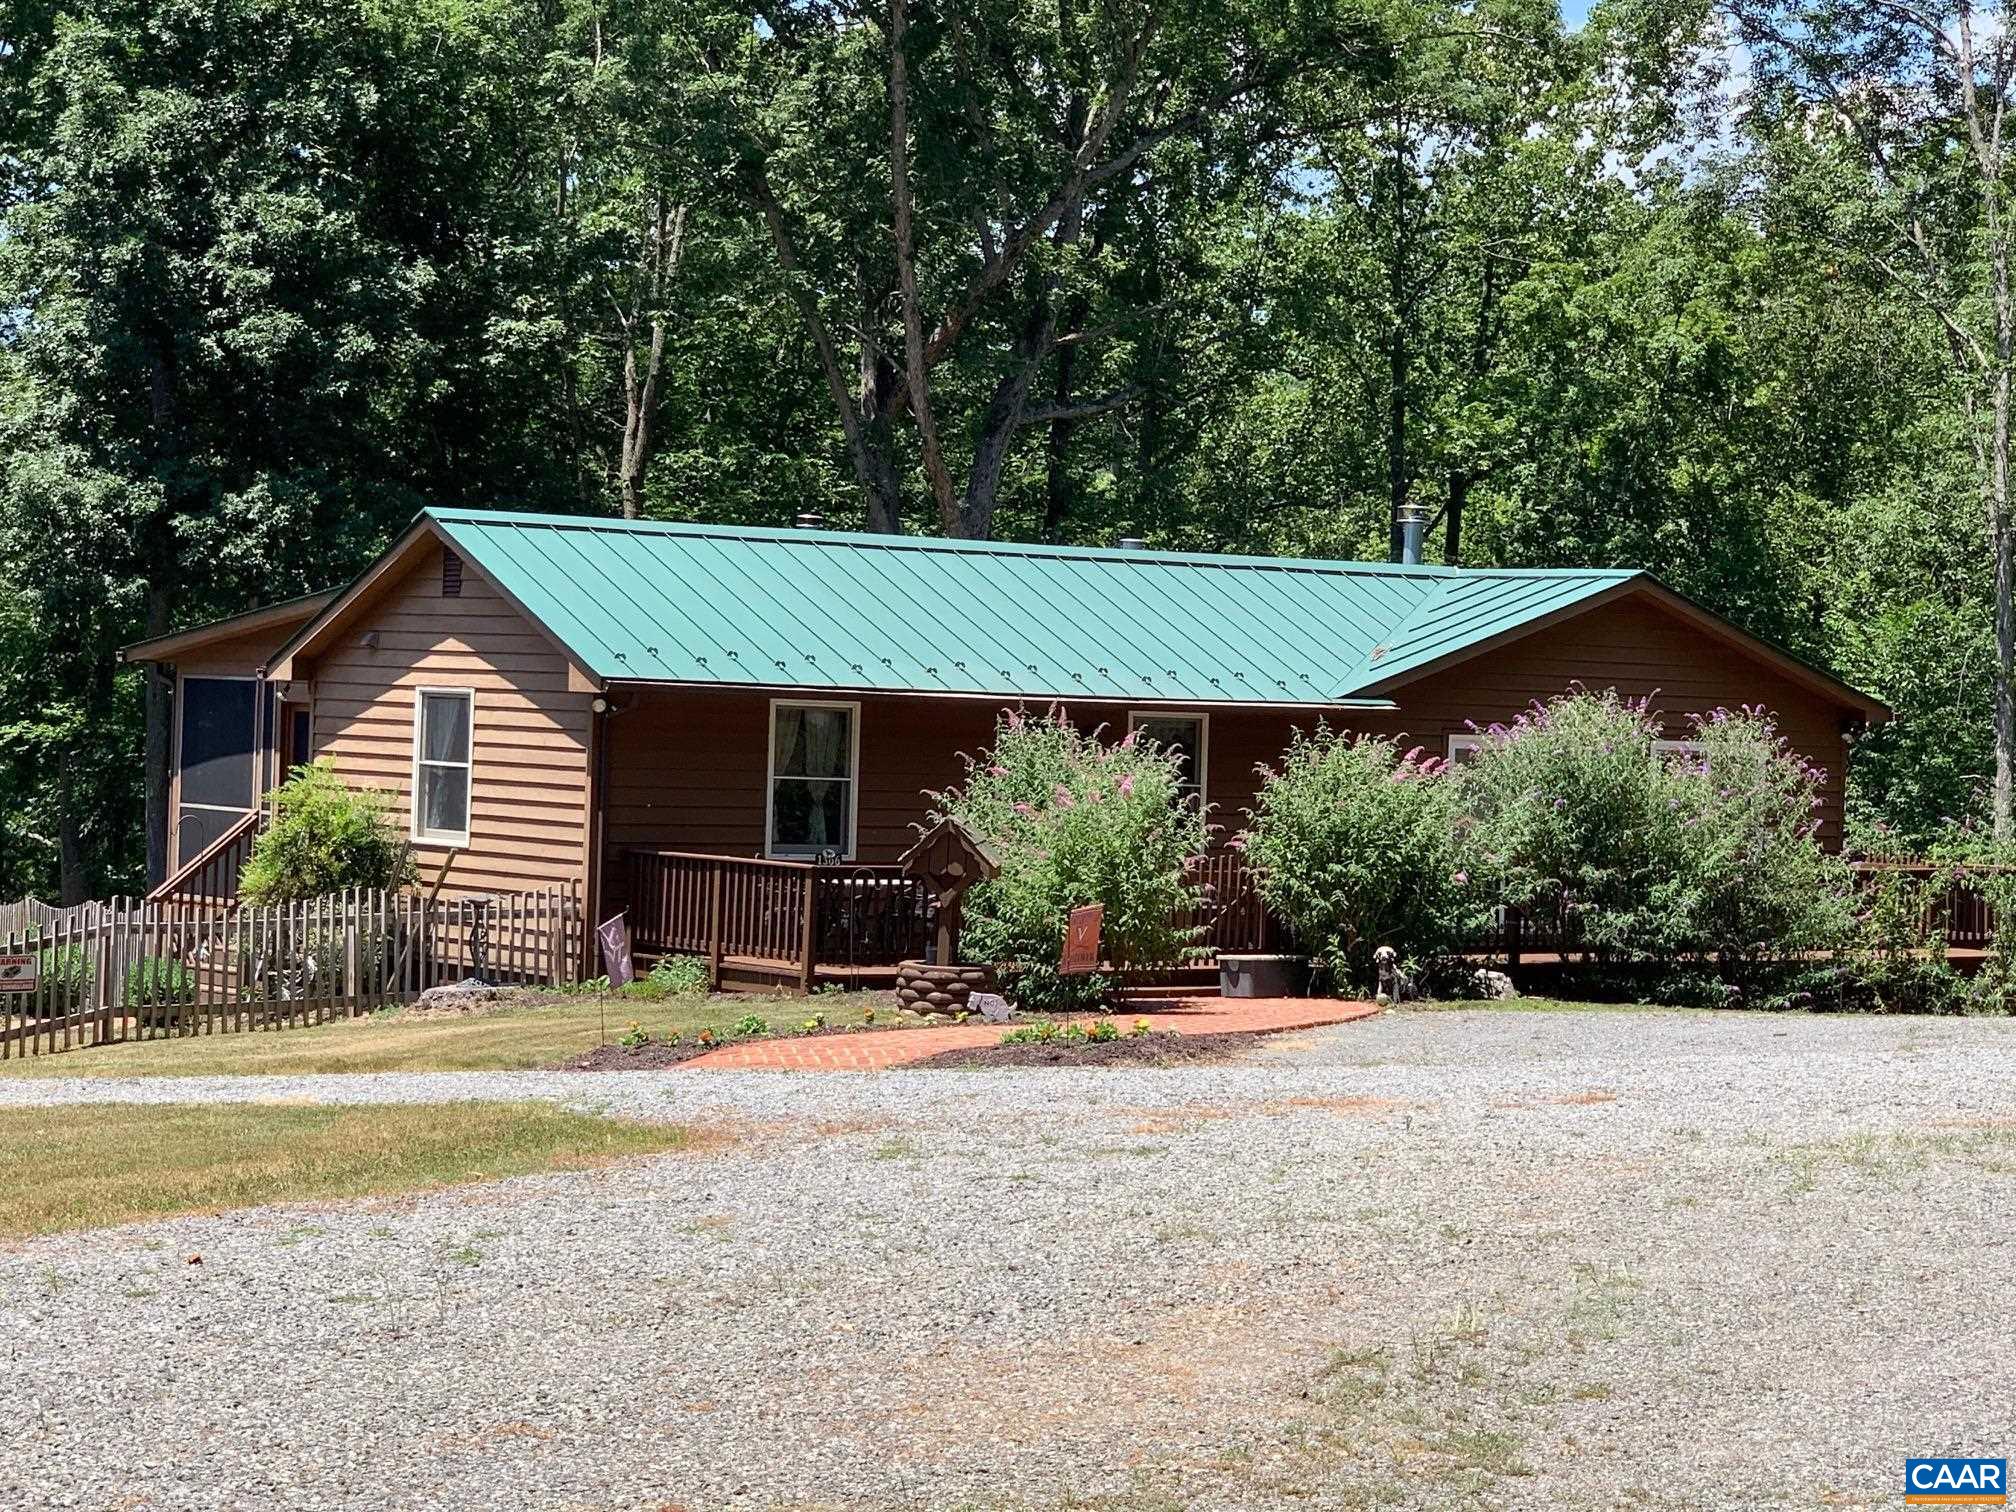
[[1477, 1258]]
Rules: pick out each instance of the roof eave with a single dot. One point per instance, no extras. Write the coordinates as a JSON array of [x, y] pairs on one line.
[[1812, 678], [1023, 696], [162, 648]]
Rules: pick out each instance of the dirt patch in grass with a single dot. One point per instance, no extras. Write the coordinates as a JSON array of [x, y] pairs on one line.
[[97, 1164], [1161, 1049], [1590, 1099]]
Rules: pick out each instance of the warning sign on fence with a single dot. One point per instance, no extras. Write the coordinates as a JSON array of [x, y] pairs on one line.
[[17, 973]]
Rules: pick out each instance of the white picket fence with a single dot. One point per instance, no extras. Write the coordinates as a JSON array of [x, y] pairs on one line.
[[132, 969]]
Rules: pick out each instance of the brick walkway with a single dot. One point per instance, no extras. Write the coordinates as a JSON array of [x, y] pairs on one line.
[[875, 1050]]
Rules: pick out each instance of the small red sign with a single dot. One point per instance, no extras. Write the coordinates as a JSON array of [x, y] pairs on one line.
[[18, 972], [1081, 940]]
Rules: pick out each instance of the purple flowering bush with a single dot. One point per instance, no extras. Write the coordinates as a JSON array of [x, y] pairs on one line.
[[1357, 842], [1760, 886], [1707, 856], [1076, 820]]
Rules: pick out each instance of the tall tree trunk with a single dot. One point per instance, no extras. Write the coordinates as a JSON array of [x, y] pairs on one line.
[[1056, 479], [1397, 353], [70, 851], [160, 724], [665, 244], [917, 384], [1459, 495], [2002, 541], [869, 444]]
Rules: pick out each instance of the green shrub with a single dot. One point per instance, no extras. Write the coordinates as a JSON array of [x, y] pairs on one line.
[[67, 978], [680, 975], [325, 837], [1894, 960], [154, 981], [1075, 821], [672, 976], [1762, 891], [1706, 856], [1356, 843], [1572, 811]]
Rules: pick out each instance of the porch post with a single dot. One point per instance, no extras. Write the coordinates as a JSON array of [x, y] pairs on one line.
[[715, 874], [805, 964]]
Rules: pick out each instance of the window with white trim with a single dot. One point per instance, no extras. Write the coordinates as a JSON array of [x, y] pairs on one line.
[[1464, 748], [815, 753], [442, 760], [1188, 736]]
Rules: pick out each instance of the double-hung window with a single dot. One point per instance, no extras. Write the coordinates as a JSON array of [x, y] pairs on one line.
[[441, 764], [815, 752], [1186, 736]]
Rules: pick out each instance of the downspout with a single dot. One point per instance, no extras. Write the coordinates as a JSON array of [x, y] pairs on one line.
[[598, 829]]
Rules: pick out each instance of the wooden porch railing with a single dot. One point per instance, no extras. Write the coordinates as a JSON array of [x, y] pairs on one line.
[[799, 917], [1959, 910], [724, 908], [1233, 919], [211, 875]]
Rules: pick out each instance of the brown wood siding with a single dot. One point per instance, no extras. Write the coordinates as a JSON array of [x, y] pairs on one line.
[[530, 735], [687, 767]]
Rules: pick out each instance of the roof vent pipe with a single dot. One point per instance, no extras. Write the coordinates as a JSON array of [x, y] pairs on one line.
[[1131, 543], [1413, 520], [811, 519]]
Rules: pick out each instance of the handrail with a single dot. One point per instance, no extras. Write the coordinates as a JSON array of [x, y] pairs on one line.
[[237, 836], [685, 855]]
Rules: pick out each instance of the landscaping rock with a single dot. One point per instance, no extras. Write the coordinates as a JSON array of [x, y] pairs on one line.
[[451, 999], [1494, 984]]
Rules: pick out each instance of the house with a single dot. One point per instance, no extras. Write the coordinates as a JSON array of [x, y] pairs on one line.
[[729, 730]]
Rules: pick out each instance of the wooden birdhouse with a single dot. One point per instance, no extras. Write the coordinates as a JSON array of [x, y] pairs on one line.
[[950, 858]]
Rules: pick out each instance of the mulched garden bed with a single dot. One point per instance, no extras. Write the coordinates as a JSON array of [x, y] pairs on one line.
[[652, 1057], [1159, 1049]]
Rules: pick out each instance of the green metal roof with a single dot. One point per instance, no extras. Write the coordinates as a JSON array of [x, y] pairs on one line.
[[732, 605]]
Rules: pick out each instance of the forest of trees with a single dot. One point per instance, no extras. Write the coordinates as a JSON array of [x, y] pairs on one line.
[[1716, 289]]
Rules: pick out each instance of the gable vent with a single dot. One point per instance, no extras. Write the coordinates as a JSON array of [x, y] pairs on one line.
[[451, 574]]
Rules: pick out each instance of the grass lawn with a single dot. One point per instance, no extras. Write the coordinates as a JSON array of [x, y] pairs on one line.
[[542, 1032], [103, 1163]]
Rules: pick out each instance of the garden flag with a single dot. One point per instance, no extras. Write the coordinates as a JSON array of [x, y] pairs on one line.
[[615, 938]]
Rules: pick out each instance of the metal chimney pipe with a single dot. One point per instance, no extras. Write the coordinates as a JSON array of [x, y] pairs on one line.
[[1414, 520], [1131, 543], [811, 520]]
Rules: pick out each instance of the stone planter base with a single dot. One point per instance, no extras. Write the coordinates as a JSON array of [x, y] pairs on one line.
[[940, 989], [1260, 976]]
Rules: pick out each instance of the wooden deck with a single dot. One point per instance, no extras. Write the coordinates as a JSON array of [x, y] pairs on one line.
[[764, 925]]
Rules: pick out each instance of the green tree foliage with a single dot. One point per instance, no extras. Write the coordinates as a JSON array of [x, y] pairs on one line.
[[323, 837], [1231, 275], [1074, 819]]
